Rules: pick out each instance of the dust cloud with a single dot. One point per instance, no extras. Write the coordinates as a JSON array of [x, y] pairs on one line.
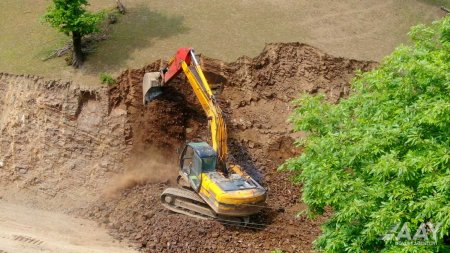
[[144, 167]]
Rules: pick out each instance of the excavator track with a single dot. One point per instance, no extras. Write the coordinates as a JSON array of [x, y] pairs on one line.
[[186, 202]]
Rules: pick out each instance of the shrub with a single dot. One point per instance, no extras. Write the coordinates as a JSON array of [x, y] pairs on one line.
[[106, 78]]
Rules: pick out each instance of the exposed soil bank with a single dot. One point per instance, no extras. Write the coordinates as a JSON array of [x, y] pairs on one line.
[[72, 144]]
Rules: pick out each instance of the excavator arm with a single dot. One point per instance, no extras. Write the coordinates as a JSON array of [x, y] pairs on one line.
[[186, 61]]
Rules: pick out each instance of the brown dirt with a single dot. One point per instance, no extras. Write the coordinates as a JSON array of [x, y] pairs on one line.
[[120, 136], [255, 94], [27, 230], [147, 166]]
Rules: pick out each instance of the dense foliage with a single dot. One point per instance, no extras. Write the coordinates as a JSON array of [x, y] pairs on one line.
[[72, 18], [380, 159]]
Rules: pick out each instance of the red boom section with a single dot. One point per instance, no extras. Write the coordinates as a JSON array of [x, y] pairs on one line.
[[174, 68]]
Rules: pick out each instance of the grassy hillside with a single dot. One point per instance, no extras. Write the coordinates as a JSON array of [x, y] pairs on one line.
[[154, 29]]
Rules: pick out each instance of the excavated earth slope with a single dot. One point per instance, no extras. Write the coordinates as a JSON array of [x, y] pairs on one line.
[[102, 154]]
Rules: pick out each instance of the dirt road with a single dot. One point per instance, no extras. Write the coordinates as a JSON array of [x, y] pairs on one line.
[[26, 230]]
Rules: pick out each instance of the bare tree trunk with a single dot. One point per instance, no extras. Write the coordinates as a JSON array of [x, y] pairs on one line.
[[445, 9], [77, 53], [120, 7]]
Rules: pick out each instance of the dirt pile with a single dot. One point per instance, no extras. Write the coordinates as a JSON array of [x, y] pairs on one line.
[[256, 96], [70, 143]]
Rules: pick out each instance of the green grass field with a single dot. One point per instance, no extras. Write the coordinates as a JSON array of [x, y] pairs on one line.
[[226, 30]]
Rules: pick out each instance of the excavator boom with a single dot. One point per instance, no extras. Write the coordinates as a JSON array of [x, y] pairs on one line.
[[186, 61]]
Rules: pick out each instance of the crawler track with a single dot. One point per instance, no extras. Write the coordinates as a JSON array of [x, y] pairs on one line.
[[186, 202]]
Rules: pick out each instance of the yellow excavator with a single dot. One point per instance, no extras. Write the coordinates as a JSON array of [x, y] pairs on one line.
[[211, 187]]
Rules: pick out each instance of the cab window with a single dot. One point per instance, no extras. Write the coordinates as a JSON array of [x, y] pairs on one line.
[[209, 164], [186, 162], [197, 168]]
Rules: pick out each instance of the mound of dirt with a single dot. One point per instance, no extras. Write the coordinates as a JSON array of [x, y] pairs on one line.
[[255, 95], [70, 143]]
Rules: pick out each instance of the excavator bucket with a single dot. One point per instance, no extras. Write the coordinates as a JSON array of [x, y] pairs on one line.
[[151, 86]]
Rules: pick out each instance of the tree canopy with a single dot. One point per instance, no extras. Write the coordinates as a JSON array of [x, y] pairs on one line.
[[69, 16], [381, 157]]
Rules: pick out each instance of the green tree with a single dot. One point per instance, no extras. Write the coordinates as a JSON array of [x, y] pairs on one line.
[[72, 18], [381, 157]]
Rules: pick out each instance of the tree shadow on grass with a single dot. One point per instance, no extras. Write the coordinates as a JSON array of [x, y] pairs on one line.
[[136, 30]]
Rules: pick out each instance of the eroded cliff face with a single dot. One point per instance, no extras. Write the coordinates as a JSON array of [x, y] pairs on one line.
[[56, 137], [72, 145]]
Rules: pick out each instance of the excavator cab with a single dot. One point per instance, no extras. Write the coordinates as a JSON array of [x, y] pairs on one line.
[[197, 158]]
